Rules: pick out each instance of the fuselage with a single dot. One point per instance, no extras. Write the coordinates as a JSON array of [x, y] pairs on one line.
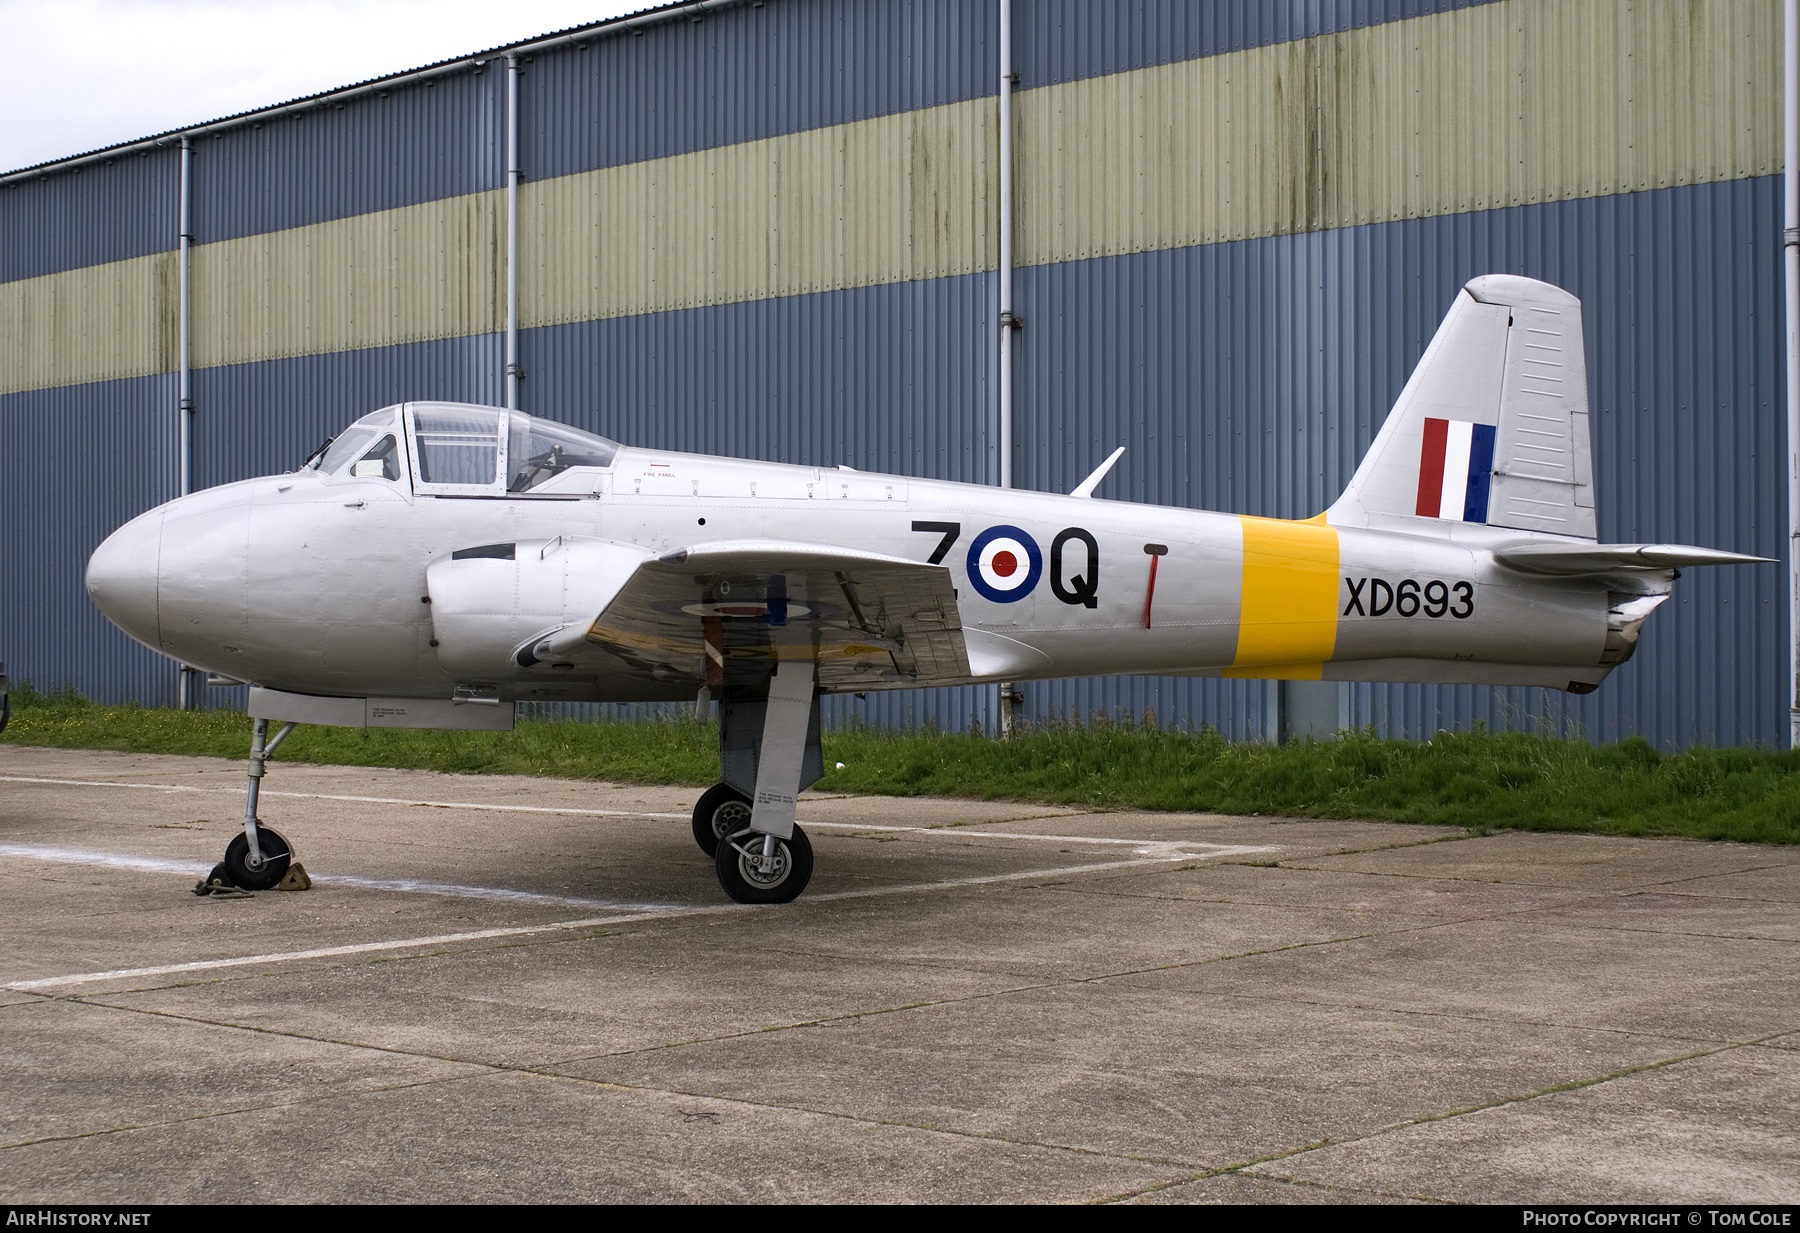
[[315, 582]]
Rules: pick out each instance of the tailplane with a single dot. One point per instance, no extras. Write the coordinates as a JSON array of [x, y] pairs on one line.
[[1493, 425]]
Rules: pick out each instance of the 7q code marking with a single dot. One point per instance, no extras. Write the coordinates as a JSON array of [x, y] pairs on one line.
[[1408, 598]]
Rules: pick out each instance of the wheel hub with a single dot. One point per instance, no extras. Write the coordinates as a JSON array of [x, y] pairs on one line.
[[762, 871], [729, 818]]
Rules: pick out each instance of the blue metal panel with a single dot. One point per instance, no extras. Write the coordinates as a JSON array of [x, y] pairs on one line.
[[79, 462], [259, 419], [888, 378], [420, 143], [750, 72], [1251, 377], [1067, 40], [103, 212]]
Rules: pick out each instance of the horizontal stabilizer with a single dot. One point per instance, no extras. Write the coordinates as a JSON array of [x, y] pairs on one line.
[[1542, 558]]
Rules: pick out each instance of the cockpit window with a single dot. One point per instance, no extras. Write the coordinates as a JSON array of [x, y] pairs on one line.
[[349, 444], [382, 462], [539, 450], [457, 445]]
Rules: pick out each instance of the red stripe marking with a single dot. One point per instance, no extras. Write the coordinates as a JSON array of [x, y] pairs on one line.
[[1150, 594], [1431, 467]]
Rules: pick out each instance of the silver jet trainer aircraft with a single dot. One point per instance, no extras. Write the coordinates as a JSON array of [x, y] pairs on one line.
[[437, 562]]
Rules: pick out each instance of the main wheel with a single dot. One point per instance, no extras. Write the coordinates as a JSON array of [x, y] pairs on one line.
[[722, 810], [276, 853], [748, 879]]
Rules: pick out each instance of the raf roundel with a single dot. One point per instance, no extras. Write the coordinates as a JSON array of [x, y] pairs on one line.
[[1005, 564]]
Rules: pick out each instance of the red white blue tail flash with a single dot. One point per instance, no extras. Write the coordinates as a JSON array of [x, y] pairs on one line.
[[1456, 469]]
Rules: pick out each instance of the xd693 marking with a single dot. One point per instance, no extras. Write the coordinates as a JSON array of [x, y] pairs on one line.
[[1408, 597]]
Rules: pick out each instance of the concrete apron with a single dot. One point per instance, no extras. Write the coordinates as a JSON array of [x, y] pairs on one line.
[[503, 988]]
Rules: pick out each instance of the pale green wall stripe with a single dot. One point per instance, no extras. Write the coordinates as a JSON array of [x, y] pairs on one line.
[[1502, 104], [1497, 105], [98, 323]]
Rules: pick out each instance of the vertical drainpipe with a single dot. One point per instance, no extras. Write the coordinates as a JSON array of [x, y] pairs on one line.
[[188, 688], [1790, 248], [1008, 322], [512, 233]]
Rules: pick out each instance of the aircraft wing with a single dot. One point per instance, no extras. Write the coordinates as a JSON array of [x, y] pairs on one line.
[[871, 620], [1548, 558]]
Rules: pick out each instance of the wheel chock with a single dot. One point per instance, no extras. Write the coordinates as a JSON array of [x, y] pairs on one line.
[[295, 879]]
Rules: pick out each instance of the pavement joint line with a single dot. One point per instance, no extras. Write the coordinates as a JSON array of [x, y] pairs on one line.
[[493, 1069], [543, 1072], [1427, 1119], [329, 952], [630, 813], [154, 864], [233, 1112], [1454, 1015]]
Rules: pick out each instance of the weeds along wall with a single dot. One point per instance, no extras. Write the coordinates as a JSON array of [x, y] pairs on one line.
[[773, 231]]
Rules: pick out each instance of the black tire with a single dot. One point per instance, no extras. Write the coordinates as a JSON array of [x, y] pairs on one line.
[[277, 856], [720, 811], [746, 884]]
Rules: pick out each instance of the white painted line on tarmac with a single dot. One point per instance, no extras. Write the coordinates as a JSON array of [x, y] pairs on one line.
[[330, 796], [1170, 848], [1146, 847], [152, 864], [447, 939]]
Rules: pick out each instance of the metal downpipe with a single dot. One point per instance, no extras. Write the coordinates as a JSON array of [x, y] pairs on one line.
[[1790, 250], [1008, 321], [188, 684], [512, 233]]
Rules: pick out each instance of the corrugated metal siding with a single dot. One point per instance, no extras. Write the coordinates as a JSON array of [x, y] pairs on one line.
[[98, 323], [740, 75], [1251, 377], [421, 143], [1365, 126], [749, 73], [1067, 40], [880, 378], [1245, 375], [79, 462], [401, 276], [260, 419], [897, 198], [1503, 104], [104, 212]]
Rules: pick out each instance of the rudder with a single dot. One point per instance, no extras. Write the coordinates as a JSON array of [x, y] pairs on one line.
[[1492, 427]]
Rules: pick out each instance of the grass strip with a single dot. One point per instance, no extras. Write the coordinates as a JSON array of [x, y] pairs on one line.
[[1482, 780]]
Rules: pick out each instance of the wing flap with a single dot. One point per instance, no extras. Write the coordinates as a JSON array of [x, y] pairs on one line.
[[870, 620]]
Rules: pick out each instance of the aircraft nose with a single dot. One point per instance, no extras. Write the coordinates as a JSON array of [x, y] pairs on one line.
[[121, 577]]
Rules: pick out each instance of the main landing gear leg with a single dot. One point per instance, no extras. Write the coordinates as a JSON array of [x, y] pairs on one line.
[[258, 859], [767, 858]]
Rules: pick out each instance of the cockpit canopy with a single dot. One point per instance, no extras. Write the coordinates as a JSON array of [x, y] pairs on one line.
[[458, 449]]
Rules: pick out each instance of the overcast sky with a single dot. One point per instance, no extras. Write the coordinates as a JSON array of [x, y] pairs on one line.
[[87, 73]]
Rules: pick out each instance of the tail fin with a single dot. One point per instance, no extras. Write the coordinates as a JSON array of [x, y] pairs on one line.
[[1493, 425]]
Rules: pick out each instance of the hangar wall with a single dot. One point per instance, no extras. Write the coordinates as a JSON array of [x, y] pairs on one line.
[[772, 232]]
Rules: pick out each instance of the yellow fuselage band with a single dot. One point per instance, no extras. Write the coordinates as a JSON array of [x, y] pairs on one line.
[[1287, 621]]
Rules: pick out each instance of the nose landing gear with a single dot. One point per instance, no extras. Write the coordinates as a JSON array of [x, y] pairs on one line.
[[258, 859]]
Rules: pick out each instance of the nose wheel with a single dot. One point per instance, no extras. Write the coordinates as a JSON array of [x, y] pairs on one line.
[[758, 868], [266, 875]]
